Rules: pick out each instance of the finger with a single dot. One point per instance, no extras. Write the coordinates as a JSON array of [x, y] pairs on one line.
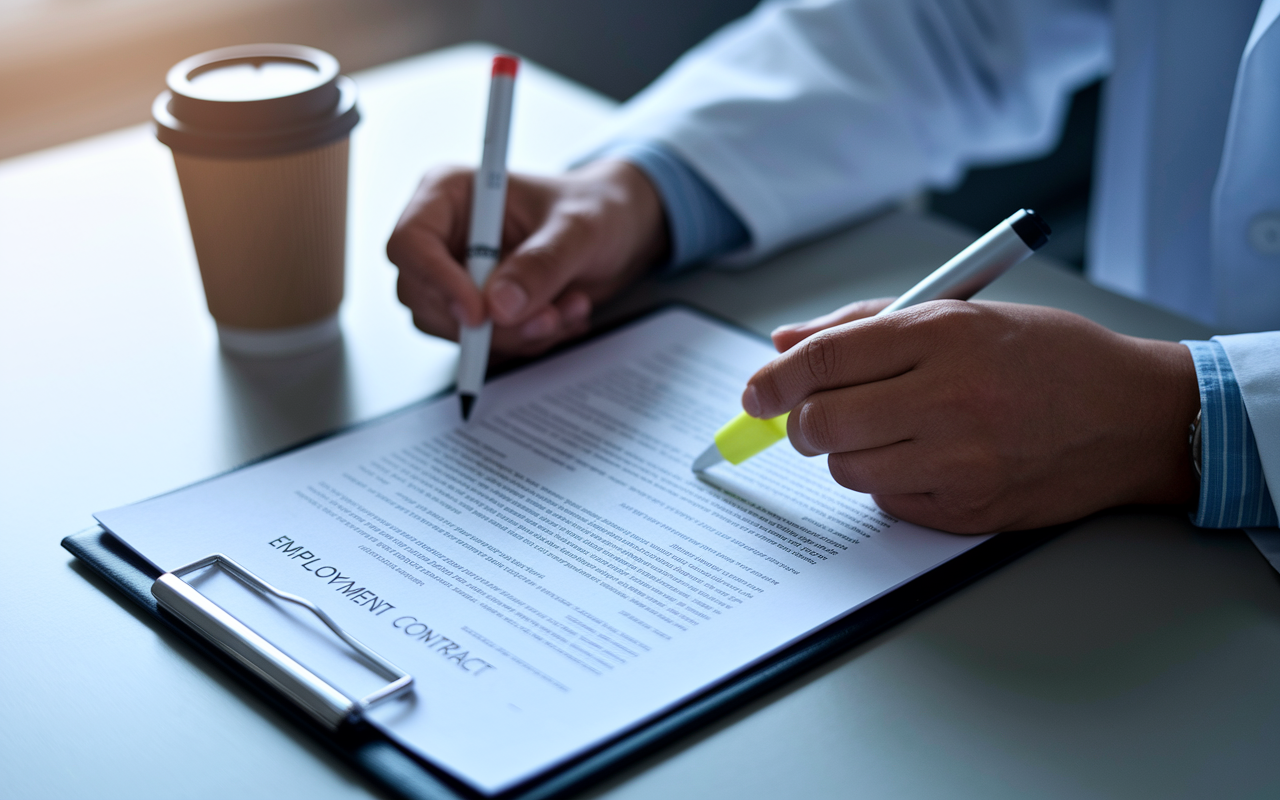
[[854, 353], [895, 469], [936, 511], [859, 417], [427, 240], [568, 317], [527, 281], [786, 337], [567, 312], [425, 258], [432, 311], [516, 342]]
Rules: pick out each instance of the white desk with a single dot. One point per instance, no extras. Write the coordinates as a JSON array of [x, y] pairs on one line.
[[1132, 656]]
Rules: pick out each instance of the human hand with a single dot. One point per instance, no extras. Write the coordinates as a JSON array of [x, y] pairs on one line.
[[568, 243], [980, 417], [786, 337]]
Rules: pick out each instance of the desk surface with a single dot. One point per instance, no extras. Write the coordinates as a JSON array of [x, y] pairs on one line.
[[1132, 656]]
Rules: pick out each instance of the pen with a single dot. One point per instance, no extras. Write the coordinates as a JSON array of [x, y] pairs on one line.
[[488, 202], [959, 279]]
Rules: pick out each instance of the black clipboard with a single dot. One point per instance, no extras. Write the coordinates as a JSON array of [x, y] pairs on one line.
[[402, 773]]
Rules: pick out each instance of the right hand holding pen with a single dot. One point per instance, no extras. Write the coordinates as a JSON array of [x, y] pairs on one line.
[[569, 242], [980, 417]]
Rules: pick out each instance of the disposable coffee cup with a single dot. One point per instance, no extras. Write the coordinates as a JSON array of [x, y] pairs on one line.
[[259, 135]]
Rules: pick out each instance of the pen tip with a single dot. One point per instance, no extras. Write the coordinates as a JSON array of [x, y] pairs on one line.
[[468, 400]]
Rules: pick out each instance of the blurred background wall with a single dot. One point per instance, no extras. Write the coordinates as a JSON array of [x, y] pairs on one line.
[[73, 68]]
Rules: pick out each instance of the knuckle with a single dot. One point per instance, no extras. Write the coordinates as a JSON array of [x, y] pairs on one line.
[[942, 319], [400, 248], [949, 312], [765, 383], [395, 247], [820, 357], [818, 426]]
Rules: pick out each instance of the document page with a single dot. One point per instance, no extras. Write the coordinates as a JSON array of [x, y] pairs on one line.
[[552, 572]]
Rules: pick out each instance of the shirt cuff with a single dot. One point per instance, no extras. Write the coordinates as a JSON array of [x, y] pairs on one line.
[[701, 226], [1233, 490]]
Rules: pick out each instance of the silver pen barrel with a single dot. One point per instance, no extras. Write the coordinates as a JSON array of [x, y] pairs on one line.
[[981, 262]]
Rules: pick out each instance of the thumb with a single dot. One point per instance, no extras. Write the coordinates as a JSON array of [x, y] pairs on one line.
[[528, 280], [786, 337]]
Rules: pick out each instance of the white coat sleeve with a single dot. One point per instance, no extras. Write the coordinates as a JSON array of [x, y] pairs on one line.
[[803, 115]]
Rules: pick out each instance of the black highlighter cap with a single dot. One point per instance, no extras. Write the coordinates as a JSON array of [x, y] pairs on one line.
[[1033, 230], [255, 100]]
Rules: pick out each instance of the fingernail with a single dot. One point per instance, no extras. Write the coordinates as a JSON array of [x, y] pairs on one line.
[[459, 313], [539, 327], [791, 326], [507, 298], [750, 401]]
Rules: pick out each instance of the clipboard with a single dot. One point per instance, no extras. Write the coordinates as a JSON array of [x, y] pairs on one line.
[[336, 723]]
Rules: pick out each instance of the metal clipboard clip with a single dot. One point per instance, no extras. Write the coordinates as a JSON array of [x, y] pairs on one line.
[[325, 702]]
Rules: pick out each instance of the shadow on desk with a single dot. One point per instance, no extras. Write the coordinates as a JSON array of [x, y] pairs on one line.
[[272, 403]]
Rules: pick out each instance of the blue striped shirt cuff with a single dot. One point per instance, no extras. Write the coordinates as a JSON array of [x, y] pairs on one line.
[[1233, 490], [701, 226]]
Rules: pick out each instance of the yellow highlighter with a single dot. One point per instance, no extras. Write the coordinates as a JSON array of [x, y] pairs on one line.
[[959, 279], [741, 438]]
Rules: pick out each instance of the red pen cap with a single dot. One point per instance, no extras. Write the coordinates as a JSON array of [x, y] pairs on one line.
[[505, 65]]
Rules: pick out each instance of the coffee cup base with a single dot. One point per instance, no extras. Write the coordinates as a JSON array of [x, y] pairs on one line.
[[279, 342]]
